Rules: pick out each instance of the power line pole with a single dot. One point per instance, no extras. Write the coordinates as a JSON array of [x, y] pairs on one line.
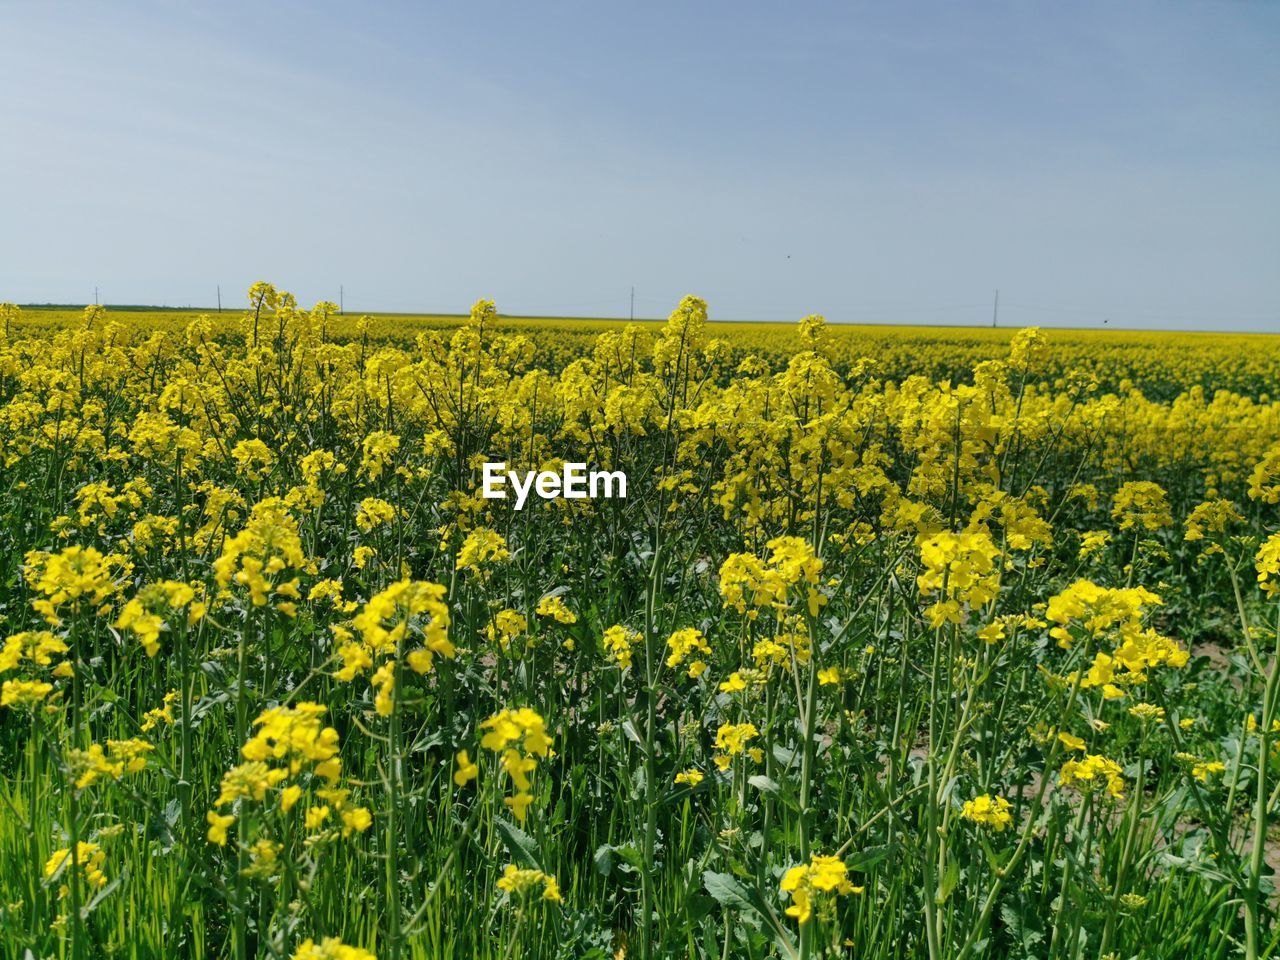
[[633, 303], [341, 303], [995, 313], [219, 298], [95, 296]]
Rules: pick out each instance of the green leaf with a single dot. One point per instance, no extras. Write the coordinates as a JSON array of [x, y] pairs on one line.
[[729, 892], [949, 881], [1020, 928], [867, 858], [603, 859], [518, 843], [726, 889], [764, 784], [606, 853], [629, 729]]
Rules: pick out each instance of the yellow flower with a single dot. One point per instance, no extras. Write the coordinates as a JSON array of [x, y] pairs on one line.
[[373, 513], [506, 626], [553, 607], [1133, 901], [262, 556], [35, 647], [690, 777], [684, 642], [731, 740], [1267, 563], [1115, 617], [162, 714], [1091, 771], [378, 448], [518, 736], [734, 683], [76, 577], [1211, 517], [18, 693], [146, 615], [482, 546], [960, 567], [330, 948], [1204, 768], [1070, 741], [1147, 711], [218, 825], [992, 633], [618, 641], [829, 676], [1093, 542], [809, 883], [522, 882], [356, 819], [409, 608], [519, 804], [750, 584], [465, 771], [252, 779], [89, 859], [118, 758], [988, 811], [294, 734], [1141, 505]]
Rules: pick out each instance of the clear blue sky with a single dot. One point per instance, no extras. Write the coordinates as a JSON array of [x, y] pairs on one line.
[[893, 161]]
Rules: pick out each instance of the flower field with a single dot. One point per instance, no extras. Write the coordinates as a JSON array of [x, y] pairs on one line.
[[930, 643]]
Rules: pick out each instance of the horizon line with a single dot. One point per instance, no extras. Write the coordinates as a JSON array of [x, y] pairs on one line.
[[1101, 328]]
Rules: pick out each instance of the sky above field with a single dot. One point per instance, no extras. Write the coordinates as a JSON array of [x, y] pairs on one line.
[[1100, 163]]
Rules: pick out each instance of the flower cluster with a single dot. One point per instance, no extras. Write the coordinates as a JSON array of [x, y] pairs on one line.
[[330, 948], [519, 737], [118, 758], [618, 642], [35, 651], [732, 740], [1086, 612], [408, 611], [1091, 772], [988, 811], [684, 643], [520, 882], [963, 568], [481, 547], [75, 578], [89, 858], [265, 557], [146, 614], [816, 883], [290, 752], [1141, 505], [749, 583]]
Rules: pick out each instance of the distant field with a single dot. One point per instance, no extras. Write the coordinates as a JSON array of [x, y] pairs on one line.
[[1160, 363]]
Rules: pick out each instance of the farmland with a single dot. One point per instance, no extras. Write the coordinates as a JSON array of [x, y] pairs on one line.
[[925, 642]]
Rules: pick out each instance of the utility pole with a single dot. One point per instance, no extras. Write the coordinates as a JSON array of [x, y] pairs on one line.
[[995, 313], [219, 298], [95, 295], [341, 304], [633, 303]]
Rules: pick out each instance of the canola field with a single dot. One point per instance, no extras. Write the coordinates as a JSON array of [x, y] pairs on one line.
[[928, 643]]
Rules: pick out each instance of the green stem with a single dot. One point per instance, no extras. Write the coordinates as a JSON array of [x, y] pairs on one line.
[[393, 801]]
